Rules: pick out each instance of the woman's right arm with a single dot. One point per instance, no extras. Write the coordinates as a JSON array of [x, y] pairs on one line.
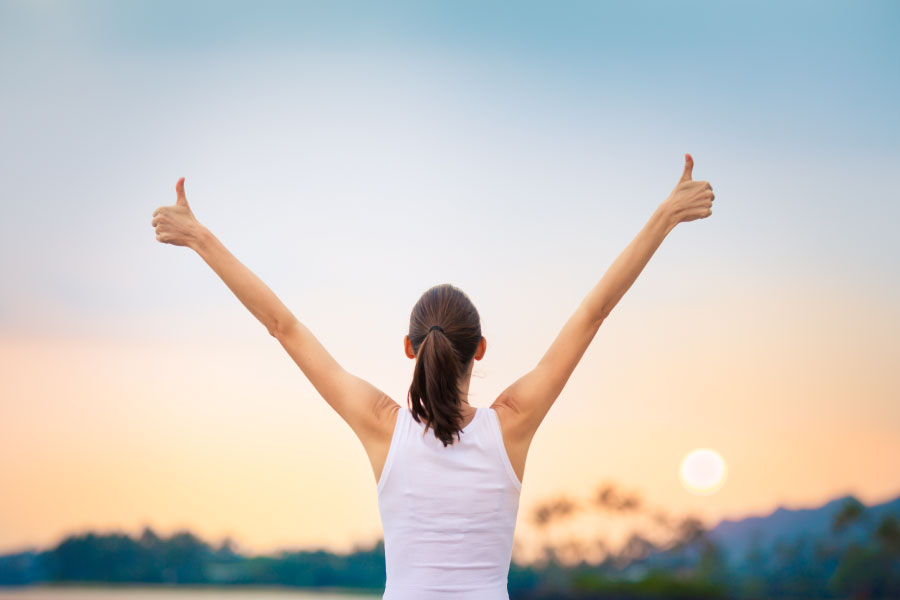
[[528, 399]]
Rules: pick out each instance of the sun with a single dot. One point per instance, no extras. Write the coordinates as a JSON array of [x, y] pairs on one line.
[[703, 471]]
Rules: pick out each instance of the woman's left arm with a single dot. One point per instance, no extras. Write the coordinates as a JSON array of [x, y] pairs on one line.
[[363, 406]]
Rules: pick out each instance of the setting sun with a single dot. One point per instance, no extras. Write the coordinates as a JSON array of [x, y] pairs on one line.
[[703, 471]]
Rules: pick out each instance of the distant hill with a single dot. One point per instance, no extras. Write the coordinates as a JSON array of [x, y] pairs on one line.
[[738, 538]]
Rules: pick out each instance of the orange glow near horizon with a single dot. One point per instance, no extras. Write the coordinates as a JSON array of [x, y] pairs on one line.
[[228, 438]]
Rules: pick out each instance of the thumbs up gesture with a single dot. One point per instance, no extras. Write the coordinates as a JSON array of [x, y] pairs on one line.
[[690, 199], [176, 224]]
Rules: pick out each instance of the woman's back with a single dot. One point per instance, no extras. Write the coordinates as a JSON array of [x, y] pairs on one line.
[[448, 513], [448, 510]]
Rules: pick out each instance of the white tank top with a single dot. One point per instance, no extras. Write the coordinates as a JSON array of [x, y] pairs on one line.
[[448, 513]]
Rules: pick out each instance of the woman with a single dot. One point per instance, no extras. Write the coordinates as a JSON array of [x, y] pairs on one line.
[[448, 474]]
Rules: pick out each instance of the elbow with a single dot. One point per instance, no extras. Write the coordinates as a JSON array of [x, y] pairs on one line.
[[594, 314], [278, 329], [605, 308], [597, 318]]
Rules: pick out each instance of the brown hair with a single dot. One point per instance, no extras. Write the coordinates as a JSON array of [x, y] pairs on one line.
[[441, 357]]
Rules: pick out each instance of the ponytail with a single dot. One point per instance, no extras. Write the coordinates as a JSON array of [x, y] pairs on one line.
[[435, 393], [442, 353]]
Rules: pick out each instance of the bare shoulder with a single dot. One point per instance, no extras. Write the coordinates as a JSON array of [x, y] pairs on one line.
[[513, 421], [386, 411], [516, 433], [377, 440], [506, 414]]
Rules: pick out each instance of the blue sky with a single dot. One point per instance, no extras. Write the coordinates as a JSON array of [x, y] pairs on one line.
[[537, 133], [354, 154]]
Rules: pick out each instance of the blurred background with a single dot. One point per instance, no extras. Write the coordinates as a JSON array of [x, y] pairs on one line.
[[355, 154]]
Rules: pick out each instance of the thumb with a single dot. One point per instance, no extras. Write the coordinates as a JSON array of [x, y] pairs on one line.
[[179, 189], [688, 167]]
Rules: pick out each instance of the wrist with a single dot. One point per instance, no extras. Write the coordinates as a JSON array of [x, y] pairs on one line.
[[667, 216], [200, 238]]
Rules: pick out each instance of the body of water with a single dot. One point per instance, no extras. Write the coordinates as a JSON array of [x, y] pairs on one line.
[[173, 593]]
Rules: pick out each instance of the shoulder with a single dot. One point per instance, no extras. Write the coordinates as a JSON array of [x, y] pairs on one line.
[[512, 421], [376, 439], [387, 411], [377, 428]]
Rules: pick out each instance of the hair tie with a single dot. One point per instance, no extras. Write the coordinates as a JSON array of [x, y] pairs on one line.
[[435, 327]]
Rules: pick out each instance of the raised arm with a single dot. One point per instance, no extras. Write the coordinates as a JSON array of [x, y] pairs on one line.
[[529, 398], [363, 406]]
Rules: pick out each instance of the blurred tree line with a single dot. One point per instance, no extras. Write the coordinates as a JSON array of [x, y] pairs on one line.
[[858, 558], [681, 563]]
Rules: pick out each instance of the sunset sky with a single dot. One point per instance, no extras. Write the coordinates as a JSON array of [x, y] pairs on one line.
[[353, 155]]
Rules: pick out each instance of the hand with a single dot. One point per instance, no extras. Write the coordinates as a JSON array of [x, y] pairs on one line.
[[690, 199], [176, 224]]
